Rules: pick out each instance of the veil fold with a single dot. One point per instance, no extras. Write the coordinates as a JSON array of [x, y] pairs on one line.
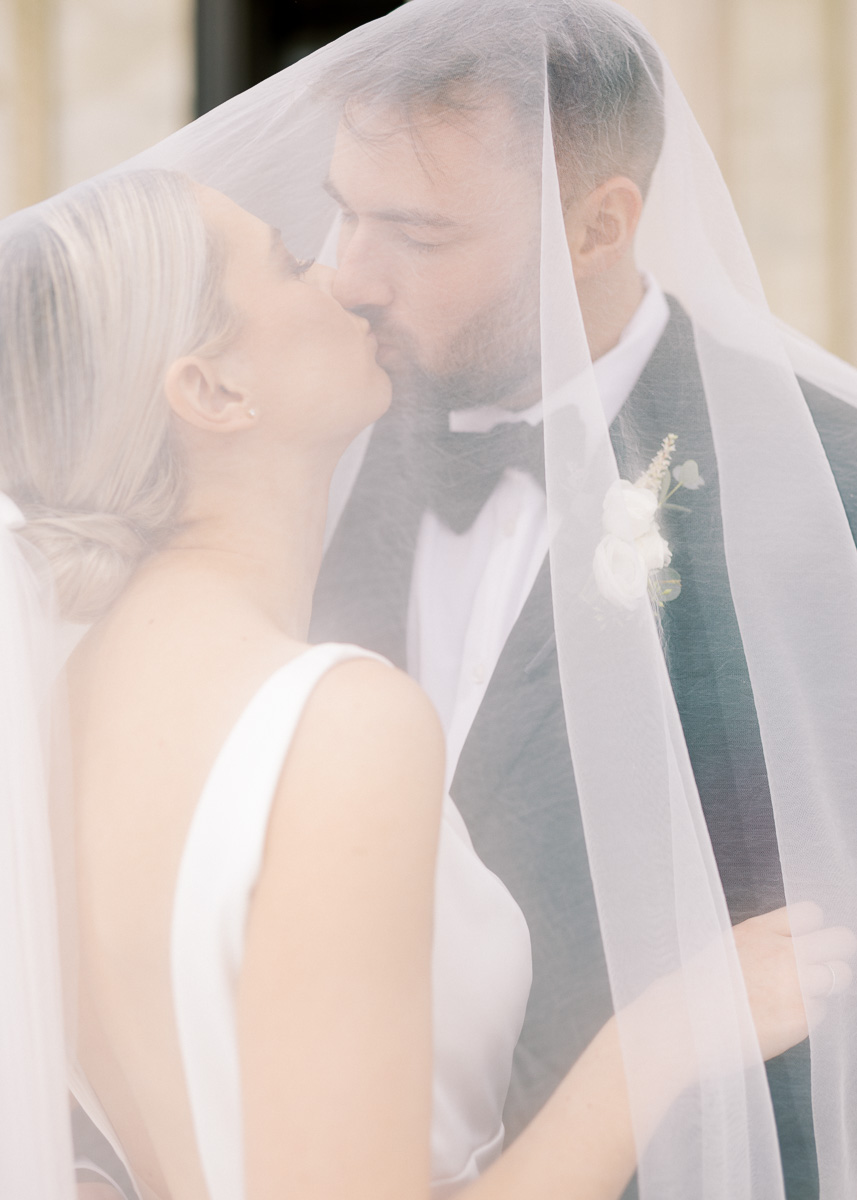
[[35, 1135]]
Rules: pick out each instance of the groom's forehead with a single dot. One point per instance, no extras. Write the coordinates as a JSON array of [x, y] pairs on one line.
[[442, 165]]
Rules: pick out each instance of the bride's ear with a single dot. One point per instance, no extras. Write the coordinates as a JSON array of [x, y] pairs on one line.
[[198, 395]]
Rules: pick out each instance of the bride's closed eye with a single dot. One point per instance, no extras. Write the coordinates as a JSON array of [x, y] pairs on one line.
[[292, 268]]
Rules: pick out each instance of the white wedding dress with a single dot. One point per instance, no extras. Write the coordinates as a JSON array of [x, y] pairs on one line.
[[481, 957]]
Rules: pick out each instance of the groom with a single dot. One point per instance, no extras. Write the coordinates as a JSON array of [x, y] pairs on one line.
[[443, 568]]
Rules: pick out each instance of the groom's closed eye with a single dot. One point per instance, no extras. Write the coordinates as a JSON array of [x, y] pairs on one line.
[[417, 218]]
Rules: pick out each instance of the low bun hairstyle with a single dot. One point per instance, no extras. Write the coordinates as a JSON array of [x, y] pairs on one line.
[[101, 290], [90, 555]]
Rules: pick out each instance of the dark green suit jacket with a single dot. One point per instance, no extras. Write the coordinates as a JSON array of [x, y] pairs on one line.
[[514, 783]]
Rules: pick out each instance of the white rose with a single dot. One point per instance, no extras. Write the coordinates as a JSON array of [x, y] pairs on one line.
[[629, 510], [654, 549], [620, 571], [688, 475]]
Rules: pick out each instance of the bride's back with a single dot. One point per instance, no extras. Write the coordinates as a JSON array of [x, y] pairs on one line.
[[347, 851], [154, 691]]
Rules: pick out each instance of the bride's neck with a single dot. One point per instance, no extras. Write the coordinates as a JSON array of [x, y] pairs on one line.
[[260, 531]]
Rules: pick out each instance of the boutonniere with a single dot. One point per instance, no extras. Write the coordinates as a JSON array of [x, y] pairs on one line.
[[633, 557]]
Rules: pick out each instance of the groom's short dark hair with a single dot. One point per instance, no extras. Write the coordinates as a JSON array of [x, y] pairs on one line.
[[605, 83], [605, 80]]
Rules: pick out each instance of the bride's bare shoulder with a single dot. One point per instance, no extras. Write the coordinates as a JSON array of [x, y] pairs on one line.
[[185, 637], [353, 831], [367, 715], [366, 761]]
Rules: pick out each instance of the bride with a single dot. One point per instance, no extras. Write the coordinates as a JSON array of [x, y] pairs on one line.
[[295, 975]]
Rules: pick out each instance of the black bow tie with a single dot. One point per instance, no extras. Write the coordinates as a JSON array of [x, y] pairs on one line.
[[462, 469]]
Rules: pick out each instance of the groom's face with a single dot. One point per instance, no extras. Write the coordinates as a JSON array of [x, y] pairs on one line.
[[439, 249]]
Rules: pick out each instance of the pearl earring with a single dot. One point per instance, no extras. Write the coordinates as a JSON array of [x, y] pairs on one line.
[[251, 412]]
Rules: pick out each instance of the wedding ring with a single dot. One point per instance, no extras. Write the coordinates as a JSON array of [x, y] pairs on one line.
[[832, 987]]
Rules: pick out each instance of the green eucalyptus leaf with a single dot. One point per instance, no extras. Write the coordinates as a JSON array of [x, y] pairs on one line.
[[666, 585]]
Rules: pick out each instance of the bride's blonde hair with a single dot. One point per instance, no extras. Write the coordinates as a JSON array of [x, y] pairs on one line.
[[100, 291]]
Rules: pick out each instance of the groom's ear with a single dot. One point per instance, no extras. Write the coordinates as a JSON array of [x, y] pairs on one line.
[[197, 393], [600, 228]]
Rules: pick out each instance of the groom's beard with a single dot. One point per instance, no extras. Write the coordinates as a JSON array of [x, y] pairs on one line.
[[494, 359]]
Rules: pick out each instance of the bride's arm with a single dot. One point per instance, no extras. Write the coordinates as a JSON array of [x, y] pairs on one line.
[[582, 1144], [334, 1009]]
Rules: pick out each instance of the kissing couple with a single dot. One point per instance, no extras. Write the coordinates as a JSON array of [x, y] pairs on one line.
[[430, 667]]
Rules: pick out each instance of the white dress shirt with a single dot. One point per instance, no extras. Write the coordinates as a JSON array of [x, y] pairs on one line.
[[468, 589]]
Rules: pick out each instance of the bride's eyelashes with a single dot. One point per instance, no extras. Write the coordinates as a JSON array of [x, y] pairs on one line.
[[292, 267], [296, 268]]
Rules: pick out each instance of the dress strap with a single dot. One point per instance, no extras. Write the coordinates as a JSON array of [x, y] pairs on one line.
[[220, 864]]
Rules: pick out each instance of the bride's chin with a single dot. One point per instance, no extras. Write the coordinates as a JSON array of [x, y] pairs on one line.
[[380, 393], [364, 406]]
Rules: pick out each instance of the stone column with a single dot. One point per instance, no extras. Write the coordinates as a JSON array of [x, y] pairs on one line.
[[126, 77], [85, 84], [772, 85], [26, 101], [842, 169]]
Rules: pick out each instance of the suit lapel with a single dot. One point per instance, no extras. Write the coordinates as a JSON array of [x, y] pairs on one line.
[[364, 584], [532, 639], [702, 641]]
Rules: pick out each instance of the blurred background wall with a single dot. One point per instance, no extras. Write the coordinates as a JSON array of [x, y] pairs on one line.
[[86, 83], [772, 84]]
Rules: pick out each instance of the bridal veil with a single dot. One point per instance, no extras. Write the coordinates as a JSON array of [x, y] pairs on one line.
[[679, 682]]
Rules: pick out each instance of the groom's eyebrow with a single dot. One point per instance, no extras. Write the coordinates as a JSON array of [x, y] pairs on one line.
[[398, 216]]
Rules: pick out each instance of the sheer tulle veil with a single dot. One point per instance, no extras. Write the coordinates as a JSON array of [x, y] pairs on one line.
[[35, 1141], [577, 93]]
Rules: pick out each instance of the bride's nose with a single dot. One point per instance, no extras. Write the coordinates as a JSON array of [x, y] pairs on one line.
[[321, 277]]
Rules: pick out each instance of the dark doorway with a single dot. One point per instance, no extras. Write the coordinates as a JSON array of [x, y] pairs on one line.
[[240, 42]]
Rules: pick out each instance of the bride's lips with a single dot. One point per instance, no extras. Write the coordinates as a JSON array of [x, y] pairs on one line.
[[368, 331], [386, 348]]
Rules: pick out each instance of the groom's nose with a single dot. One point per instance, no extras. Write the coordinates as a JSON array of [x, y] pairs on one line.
[[363, 278]]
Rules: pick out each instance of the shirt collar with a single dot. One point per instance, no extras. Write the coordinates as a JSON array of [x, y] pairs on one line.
[[616, 372]]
